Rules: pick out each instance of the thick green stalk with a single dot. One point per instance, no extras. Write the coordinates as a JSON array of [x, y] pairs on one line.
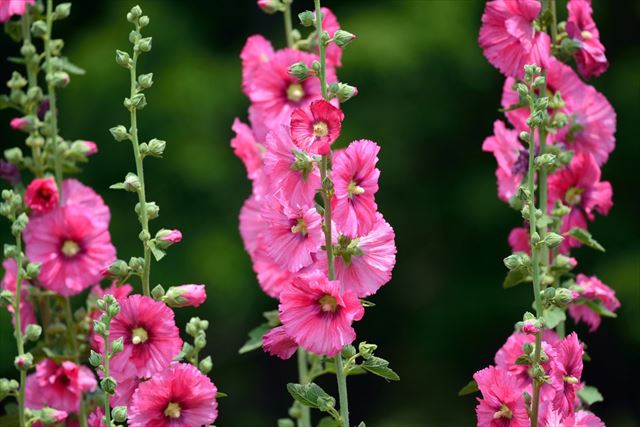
[[142, 197], [18, 328], [322, 50], [107, 396], [303, 374], [51, 88], [342, 391], [82, 416], [288, 24], [554, 21]]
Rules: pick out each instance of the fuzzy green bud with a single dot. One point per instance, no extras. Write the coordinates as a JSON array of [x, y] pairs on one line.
[[143, 21], [205, 365], [157, 292], [117, 346], [33, 332], [144, 45], [522, 89], [108, 385], [24, 362], [527, 348], [563, 296], [118, 268], [39, 28], [119, 133], [552, 240], [343, 38], [285, 422], [6, 298], [348, 351], [516, 260], [123, 59], [119, 414], [326, 403], [95, 359], [300, 70], [307, 18], [63, 10], [135, 13], [366, 350], [132, 182], [99, 328], [156, 147]]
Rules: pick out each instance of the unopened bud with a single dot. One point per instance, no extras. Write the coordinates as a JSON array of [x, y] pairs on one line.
[[343, 38], [95, 359], [299, 70], [117, 346], [119, 414], [119, 133], [307, 18], [108, 385], [132, 182], [33, 332], [205, 365], [366, 350]]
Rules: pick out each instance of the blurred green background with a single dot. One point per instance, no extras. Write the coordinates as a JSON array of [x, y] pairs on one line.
[[429, 98]]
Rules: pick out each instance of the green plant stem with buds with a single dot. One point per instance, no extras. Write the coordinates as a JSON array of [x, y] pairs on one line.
[[51, 88], [18, 328], [82, 416], [303, 374], [288, 24], [107, 396]]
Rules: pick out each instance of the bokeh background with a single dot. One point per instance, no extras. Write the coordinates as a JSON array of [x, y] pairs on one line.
[[429, 98]]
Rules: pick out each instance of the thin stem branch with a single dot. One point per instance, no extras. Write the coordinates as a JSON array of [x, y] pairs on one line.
[[18, 327], [107, 396], [53, 111], [554, 21], [342, 391], [288, 24], [71, 327]]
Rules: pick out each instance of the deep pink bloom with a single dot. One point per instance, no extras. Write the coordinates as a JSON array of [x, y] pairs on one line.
[[95, 418], [519, 240], [330, 24], [20, 123], [71, 248], [246, 148], [293, 233], [151, 337], [290, 167], [578, 419], [91, 147], [41, 195], [317, 316], [179, 396], [566, 373], [76, 193], [277, 343], [590, 56], [501, 404], [512, 158], [355, 180], [27, 314], [256, 51], [59, 386], [316, 126], [251, 224], [592, 290], [508, 37], [529, 327], [587, 419], [186, 295], [271, 276]]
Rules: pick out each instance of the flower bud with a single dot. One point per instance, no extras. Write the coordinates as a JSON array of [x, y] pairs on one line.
[[143, 21], [145, 81], [9, 172], [166, 238], [123, 59], [549, 293], [132, 182], [530, 327], [205, 365], [552, 240], [516, 260], [62, 11], [135, 13], [545, 161], [563, 296], [307, 18], [300, 70], [539, 81], [6, 298], [117, 346], [95, 359], [33, 270], [527, 348], [348, 351], [156, 147], [134, 36], [33, 332], [270, 6], [144, 45], [285, 422], [118, 268], [136, 264], [59, 78], [153, 210], [185, 295], [119, 133], [99, 328], [366, 350], [108, 385], [157, 292], [51, 416], [23, 124], [343, 38], [39, 28], [24, 362], [119, 414], [201, 341], [522, 89]]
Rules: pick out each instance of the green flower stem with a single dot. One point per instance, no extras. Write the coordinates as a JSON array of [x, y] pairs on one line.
[[342, 391], [18, 328], [303, 374], [554, 21], [322, 49], [142, 197], [288, 24], [107, 396], [53, 111], [82, 415]]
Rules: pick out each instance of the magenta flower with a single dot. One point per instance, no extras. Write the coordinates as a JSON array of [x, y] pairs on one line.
[[251, 224], [317, 316], [592, 290], [355, 179], [277, 343], [59, 386], [512, 158], [501, 404], [27, 314], [271, 276], [95, 418], [90, 147], [290, 167], [70, 247], [151, 337], [41, 195], [76, 193], [519, 240], [590, 57], [179, 396], [566, 372], [186, 296], [170, 236], [20, 123], [246, 148], [316, 126], [128, 381], [293, 233], [256, 51], [508, 37]]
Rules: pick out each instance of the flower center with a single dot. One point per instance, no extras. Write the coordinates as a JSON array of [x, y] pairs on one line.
[[328, 304], [570, 380], [172, 410], [45, 193], [586, 35], [573, 196], [354, 189], [70, 248], [295, 92], [320, 129], [300, 227], [504, 412], [139, 336]]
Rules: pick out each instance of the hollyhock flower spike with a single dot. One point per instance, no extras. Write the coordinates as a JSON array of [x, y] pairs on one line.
[[593, 290], [178, 396], [501, 404], [567, 372], [580, 27], [317, 315], [317, 126], [9, 8], [41, 195], [277, 343], [508, 36]]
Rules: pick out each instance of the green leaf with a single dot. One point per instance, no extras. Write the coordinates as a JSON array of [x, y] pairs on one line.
[[584, 237], [362, 424], [590, 395], [598, 307], [70, 67], [307, 394], [221, 394], [470, 388], [329, 422], [117, 186], [553, 316], [366, 303], [255, 338], [516, 276], [158, 253], [380, 367]]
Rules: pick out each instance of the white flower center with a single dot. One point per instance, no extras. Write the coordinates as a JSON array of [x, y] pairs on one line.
[[70, 248], [300, 227], [139, 336], [172, 410], [354, 189], [295, 92], [573, 196], [320, 129], [504, 412], [586, 35], [328, 304]]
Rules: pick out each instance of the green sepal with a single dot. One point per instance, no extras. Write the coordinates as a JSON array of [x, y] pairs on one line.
[[584, 237], [516, 276], [470, 388], [255, 338]]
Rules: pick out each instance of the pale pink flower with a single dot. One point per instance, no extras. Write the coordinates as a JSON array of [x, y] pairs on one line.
[[95, 418], [246, 148], [508, 37], [256, 51], [316, 126], [186, 295], [277, 343], [355, 180], [71, 248], [76, 193], [90, 147], [290, 167], [501, 404], [27, 314], [566, 373], [149, 332], [293, 233], [512, 158], [179, 396], [587, 419], [590, 57], [59, 386], [317, 316], [330, 24], [41, 195], [592, 290]]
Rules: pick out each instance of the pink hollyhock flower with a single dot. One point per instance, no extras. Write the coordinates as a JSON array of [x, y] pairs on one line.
[[501, 404], [317, 316], [95, 418], [355, 180], [185, 296], [271, 277], [90, 147], [171, 236], [592, 120], [246, 148], [128, 381], [277, 343], [179, 396], [76, 193], [269, 6], [251, 224], [71, 248], [119, 292], [290, 167], [20, 123], [27, 314], [508, 37], [59, 386], [148, 329], [316, 126], [293, 233], [592, 290], [579, 187], [275, 93], [256, 51], [512, 158], [9, 172], [330, 24], [41, 195], [587, 419], [577, 419], [566, 373], [590, 56], [519, 240]]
